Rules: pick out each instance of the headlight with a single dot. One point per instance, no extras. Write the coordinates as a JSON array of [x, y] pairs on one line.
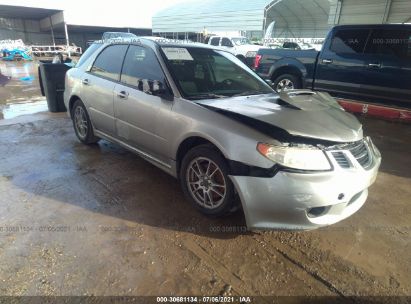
[[374, 148], [299, 157]]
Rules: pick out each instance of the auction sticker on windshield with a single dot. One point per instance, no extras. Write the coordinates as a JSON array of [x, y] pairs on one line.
[[177, 54]]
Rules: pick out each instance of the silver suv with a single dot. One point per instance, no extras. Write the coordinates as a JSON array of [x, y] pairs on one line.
[[295, 160]]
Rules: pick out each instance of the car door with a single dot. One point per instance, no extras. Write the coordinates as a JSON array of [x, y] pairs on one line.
[[98, 87], [141, 118], [340, 67], [388, 61]]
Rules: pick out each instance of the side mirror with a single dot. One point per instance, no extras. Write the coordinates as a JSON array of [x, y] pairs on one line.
[[159, 89]]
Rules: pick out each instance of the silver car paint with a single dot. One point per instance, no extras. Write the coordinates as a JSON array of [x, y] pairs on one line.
[[99, 94], [142, 120], [282, 201], [313, 122], [267, 202]]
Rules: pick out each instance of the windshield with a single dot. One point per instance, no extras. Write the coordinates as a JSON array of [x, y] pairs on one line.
[[241, 41], [202, 73]]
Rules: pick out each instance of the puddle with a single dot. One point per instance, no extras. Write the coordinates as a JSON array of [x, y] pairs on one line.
[[13, 110], [20, 90]]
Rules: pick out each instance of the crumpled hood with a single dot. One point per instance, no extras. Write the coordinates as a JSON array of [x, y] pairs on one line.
[[305, 114]]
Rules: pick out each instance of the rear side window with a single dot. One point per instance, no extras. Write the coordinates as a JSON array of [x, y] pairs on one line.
[[86, 55], [215, 41], [395, 43], [291, 45], [109, 61], [350, 41], [141, 64]]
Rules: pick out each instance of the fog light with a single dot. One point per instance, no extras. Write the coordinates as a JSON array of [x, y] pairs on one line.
[[317, 211], [355, 198]]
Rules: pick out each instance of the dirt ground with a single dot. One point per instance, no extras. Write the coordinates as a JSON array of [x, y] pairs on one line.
[[79, 220]]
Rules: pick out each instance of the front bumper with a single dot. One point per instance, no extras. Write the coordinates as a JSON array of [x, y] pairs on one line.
[[305, 201]]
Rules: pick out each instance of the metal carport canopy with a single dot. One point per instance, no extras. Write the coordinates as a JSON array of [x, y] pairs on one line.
[[298, 18], [313, 18], [213, 15], [22, 12]]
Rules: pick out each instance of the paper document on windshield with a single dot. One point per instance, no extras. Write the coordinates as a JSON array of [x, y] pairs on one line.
[[177, 54]]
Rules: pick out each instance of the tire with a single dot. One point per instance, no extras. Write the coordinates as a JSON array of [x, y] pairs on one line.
[[84, 129], [224, 198], [289, 81]]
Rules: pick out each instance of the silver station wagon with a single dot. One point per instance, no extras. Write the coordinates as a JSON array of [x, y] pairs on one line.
[[295, 160]]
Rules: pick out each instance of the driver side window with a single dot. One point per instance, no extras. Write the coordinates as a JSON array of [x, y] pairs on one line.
[[140, 65]]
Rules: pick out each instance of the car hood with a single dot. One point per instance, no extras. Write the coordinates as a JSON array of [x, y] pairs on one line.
[[307, 115]]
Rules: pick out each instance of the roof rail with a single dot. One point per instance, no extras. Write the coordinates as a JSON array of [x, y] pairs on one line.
[[116, 35]]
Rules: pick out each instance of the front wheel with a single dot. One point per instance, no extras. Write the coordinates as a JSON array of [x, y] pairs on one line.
[[82, 124], [205, 182], [286, 82]]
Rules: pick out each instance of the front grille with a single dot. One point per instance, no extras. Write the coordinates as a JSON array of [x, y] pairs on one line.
[[358, 149], [341, 159]]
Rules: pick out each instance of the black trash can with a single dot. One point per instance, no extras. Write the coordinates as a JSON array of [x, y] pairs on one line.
[[51, 77]]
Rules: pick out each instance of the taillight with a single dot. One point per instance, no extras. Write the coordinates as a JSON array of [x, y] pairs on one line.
[[257, 61]]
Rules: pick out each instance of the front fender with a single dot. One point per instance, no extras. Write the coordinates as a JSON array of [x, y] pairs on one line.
[[238, 142], [289, 64]]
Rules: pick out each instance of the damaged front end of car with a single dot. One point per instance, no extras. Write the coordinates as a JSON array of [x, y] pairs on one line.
[[322, 165]]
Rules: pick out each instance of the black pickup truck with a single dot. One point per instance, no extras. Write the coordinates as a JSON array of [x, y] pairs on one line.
[[362, 62]]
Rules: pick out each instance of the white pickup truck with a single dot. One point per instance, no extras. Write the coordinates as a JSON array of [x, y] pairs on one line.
[[239, 46]]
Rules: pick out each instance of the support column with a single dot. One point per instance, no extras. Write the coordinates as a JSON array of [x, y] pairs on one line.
[[335, 12], [67, 39], [387, 11], [52, 31]]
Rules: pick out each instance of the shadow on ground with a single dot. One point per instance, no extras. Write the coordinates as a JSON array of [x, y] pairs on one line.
[[44, 158]]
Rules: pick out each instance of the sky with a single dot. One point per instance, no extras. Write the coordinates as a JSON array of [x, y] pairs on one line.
[[117, 13]]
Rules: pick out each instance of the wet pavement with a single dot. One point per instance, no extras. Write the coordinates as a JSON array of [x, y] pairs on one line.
[[19, 89], [98, 220]]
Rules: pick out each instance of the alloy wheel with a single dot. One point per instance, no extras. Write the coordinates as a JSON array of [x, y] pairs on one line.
[[80, 121], [285, 85], [206, 182]]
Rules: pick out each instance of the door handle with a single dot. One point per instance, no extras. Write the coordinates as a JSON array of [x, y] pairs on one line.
[[327, 61], [86, 81], [374, 65], [122, 95]]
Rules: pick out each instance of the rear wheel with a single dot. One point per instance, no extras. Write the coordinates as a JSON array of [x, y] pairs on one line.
[[82, 124], [286, 82], [205, 182]]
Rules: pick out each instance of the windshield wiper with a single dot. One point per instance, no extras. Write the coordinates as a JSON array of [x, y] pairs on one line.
[[206, 96], [245, 93]]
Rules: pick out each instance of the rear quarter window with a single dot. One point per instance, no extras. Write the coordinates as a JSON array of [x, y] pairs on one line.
[[215, 41], [87, 54]]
